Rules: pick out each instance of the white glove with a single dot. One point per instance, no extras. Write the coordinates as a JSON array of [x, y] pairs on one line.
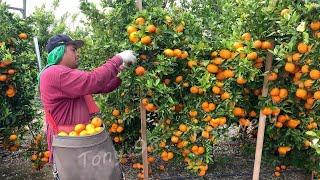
[[128, 57]]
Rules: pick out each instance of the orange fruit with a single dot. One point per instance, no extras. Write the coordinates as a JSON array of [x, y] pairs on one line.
[[62, 133], [257, 44], [267, 111], [316, 95], [225, 54], [192, 63], [146, 40], [168, 52], [277, 174], [202, 173], [290, 67], [79, 127], [237, 45], [133, 37], [140, 21], [314, 74], [151, 107], [302, 48], [184, 55], [183, 128], [246, 36], [266, 45], [274, 91], [151, 28], [47, 154], [116, 112], [212, 68], [3, 77], [23, 36], [34, 157], [315, 25], [179, 28], [194, 90], [252, 56], [97, 122], [139, 71], [283, 93], [119, 129], [301, 93], [305, 69], [193, 113], [237, 111], [200, 150], [225, 95], [293, 123], [13, 137], [228, 73], [179, 79], [241, 80], [216, 90], [272, 76], [217, 60], [177, 53], [131, 29]]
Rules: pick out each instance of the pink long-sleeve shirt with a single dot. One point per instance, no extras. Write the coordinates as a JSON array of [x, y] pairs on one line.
[[63, 91]]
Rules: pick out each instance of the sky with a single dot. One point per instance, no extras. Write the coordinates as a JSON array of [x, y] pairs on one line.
[[70, 6]]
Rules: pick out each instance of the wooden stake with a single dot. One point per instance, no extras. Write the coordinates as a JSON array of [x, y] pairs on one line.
[[144, 140], [262, 123]]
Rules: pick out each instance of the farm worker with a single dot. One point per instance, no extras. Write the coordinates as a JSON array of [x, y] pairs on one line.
[[65, 91]]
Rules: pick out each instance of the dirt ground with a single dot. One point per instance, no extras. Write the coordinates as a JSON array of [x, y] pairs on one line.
[[230, 165]]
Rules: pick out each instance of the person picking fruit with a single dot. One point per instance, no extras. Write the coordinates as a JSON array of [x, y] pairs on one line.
[[66, 92]]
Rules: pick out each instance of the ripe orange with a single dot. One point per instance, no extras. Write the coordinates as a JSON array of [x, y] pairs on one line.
[[212, 68], [47, 154], [241, 80], [23, 36], [246, 36], [183, 128], [257, 44], [225, 54], [146, 40], [301, 93], [315, 25], [151, 28], [267, 111], [179, 79], [13, 137], [266, 45], [79, 127], [314, 74], [302, 48], [272, 76], [140, 21], [316, 95], [139, 71], [228, 73], [216, 90], [184, 55], [194, 90], [168, 52], [133, 37], [97, 122], [225, 96], [131, 29], [290, 67], [177, 53], [3, 77], [252, 56], [116, 112], [180, 28]]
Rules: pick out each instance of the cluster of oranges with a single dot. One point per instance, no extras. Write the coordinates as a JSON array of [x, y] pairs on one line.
[[39, 155], [94, 127], [117, 127], [279, 169]]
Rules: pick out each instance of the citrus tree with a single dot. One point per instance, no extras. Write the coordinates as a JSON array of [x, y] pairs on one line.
[[18, 71]]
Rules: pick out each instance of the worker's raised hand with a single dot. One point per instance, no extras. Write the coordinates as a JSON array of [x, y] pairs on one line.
[[128, 57]]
